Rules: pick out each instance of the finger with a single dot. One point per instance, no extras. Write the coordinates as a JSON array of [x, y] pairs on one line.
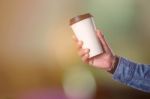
[[82, 52], [85, 58], [75, 38], [79, 45], [103, 41], [91, 61]]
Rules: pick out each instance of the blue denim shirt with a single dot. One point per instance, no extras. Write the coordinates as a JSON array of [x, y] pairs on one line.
[[133, 74]]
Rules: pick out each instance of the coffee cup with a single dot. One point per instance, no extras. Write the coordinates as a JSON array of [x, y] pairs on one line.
[[85, 30]]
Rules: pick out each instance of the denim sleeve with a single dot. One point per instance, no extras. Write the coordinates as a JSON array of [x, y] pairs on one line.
[[133, 74]]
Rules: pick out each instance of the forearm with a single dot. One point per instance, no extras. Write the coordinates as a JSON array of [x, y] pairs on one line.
[[133, 74]]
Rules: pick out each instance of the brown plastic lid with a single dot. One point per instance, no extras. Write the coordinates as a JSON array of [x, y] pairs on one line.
[[79, 18]]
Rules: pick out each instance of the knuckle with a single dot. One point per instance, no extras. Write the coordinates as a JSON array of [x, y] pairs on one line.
[[81, 53], [78, 47], [85, 58]]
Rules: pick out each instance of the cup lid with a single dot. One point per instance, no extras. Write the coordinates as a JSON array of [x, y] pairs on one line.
[[79, 18]]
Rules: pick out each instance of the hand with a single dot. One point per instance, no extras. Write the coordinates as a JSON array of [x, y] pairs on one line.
[[104, 61]]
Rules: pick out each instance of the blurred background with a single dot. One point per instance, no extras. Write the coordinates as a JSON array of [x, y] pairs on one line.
[[38, 58]]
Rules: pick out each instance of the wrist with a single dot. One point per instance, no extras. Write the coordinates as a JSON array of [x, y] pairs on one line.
[[114, 64]]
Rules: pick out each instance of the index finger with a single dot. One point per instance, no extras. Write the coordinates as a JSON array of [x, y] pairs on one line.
[[75, 38]]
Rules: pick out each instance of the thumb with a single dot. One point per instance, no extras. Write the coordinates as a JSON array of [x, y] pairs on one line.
[[103, 41]]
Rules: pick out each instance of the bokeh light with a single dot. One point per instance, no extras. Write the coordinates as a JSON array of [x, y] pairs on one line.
[[79, 83]]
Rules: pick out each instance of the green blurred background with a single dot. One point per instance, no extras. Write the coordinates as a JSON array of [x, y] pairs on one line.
[[38, 58]]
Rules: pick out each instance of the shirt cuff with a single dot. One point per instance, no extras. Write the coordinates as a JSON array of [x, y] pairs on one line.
[[124, 71]]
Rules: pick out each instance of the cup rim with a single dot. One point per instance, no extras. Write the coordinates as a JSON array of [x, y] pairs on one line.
[[79, 18]]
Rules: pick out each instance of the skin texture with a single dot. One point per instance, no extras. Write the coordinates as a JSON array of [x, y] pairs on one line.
[[104, 61]]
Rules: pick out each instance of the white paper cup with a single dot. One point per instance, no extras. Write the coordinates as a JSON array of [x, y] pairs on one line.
[[85, 30]]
